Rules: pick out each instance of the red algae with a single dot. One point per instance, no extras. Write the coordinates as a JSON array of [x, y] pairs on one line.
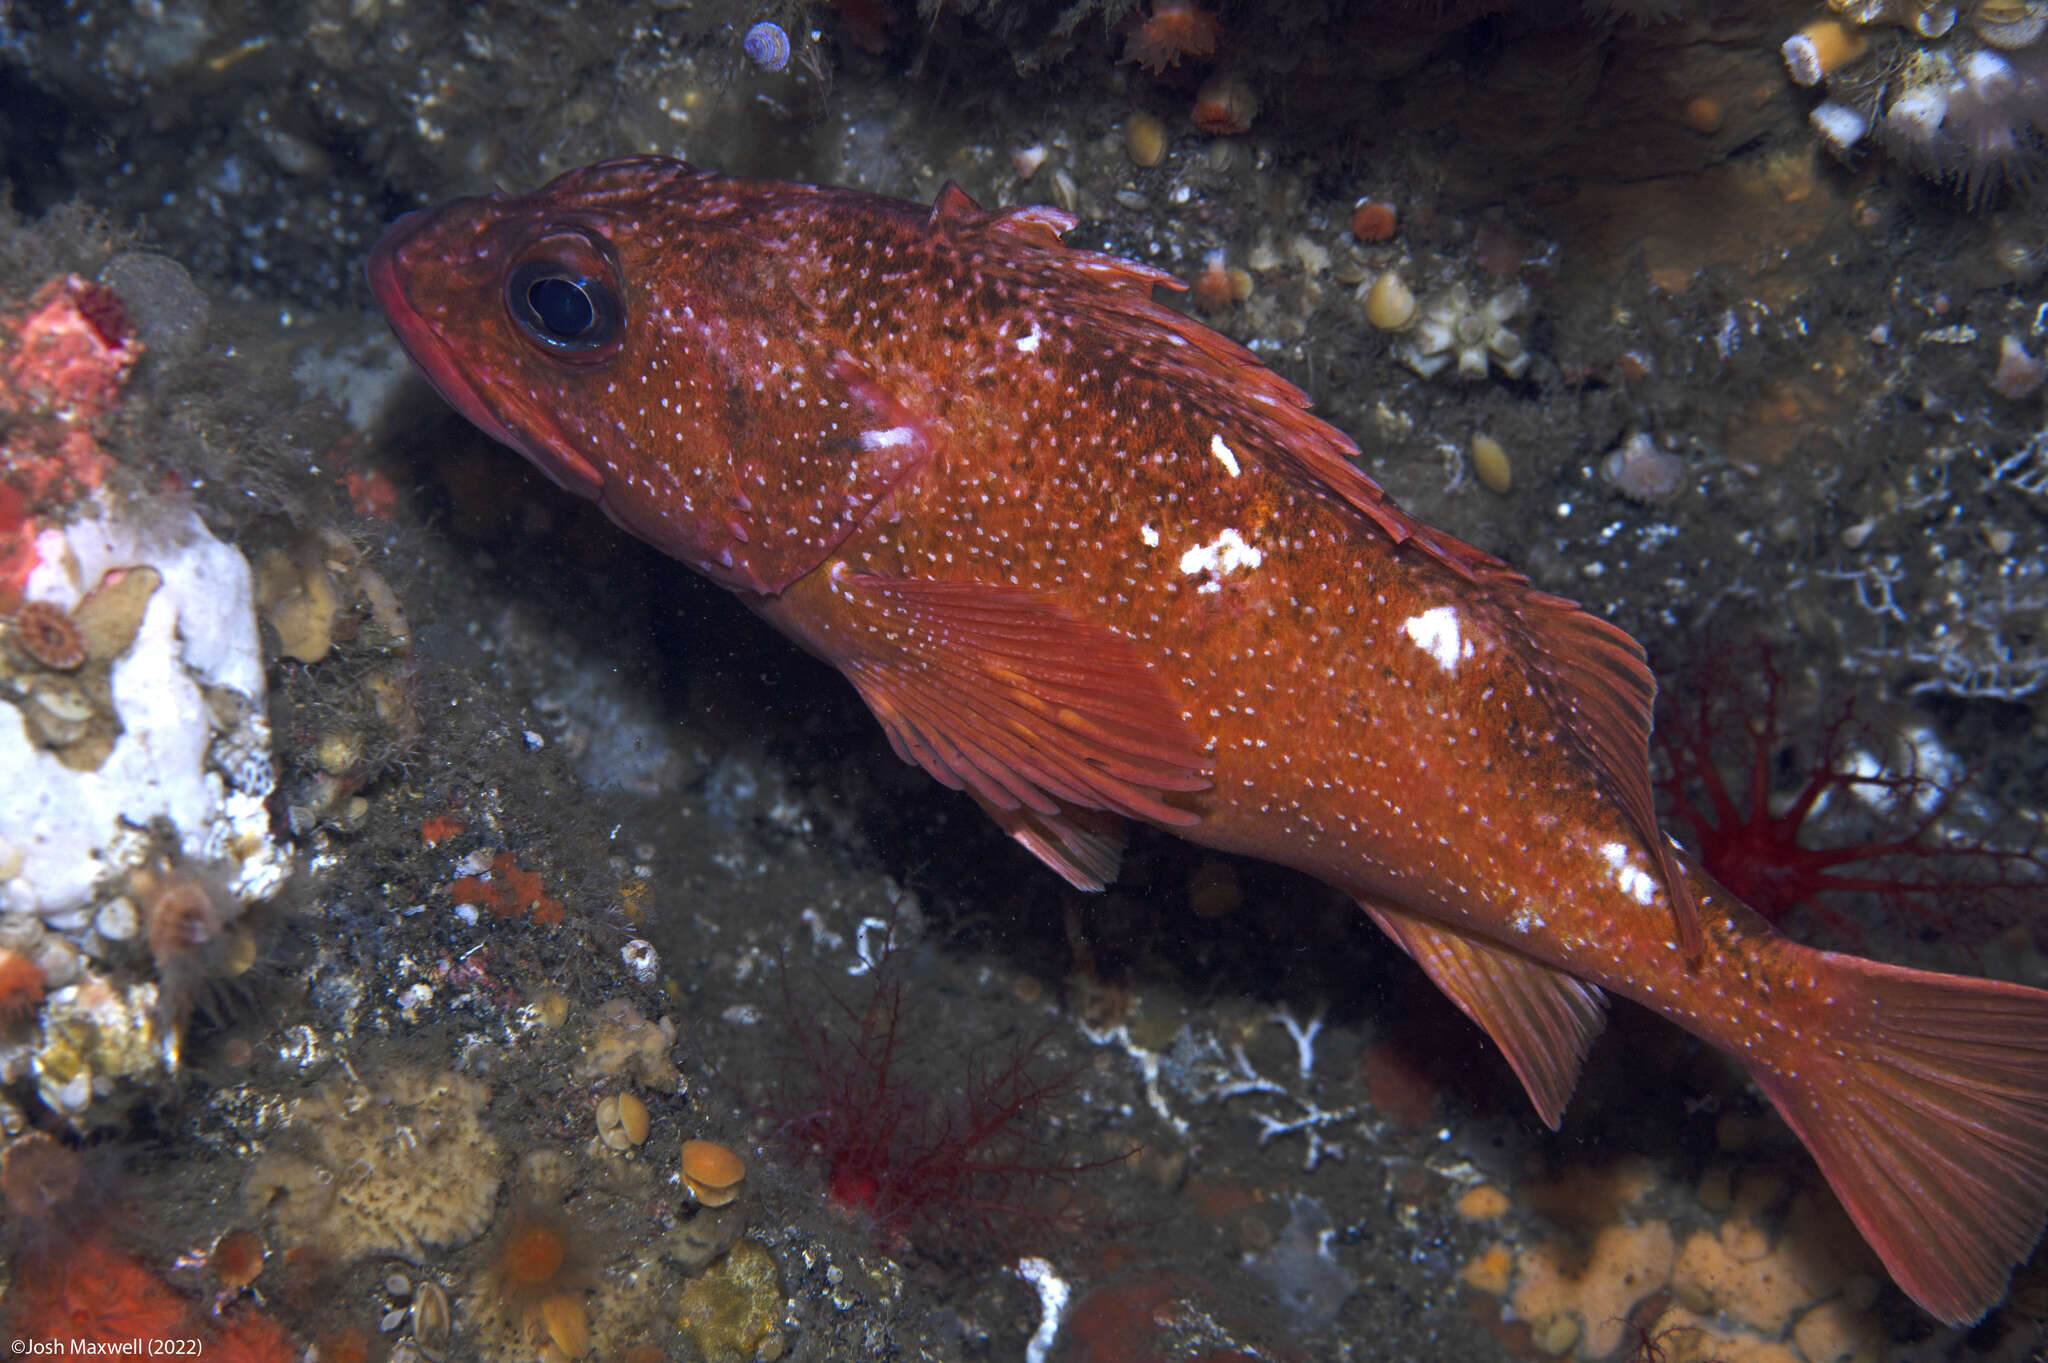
[[89, 1292], [1758, 841], [951, 1165]]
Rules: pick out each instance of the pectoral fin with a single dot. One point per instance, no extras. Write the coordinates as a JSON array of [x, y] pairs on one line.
[[1543, 1019], [1001, 692]]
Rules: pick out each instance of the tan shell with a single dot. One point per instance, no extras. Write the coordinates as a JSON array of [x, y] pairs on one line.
[[713, 1172], [567, 1323]]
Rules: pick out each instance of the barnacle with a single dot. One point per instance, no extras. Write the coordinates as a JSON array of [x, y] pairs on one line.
[[1959, 95], [1473, 336], [1927, 18]]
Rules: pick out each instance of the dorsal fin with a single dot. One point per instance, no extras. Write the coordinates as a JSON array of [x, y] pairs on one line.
[[1595, 677], [1039, 224], [954, 204]]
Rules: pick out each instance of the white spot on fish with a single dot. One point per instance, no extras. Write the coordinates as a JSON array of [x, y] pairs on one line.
[[887, 440], [1436, 633], [1149, 535], [1224, 455], [1634, 881], [1226, 553], [1028, 345]]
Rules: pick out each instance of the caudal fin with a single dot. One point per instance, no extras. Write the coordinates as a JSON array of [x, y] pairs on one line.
[[1928, 1112]]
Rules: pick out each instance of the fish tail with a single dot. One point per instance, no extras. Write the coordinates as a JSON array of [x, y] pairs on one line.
[[1926, 1106]]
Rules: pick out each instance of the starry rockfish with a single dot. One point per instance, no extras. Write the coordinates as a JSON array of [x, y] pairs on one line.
[[1089, 561]]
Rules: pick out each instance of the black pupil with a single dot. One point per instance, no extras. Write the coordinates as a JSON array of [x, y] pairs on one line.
[[562, 306]]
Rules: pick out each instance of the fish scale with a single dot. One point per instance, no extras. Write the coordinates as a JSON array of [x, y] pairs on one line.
[[1089, 562]]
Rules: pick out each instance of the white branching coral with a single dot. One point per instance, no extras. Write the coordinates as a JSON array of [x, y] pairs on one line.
[[1469, 338]]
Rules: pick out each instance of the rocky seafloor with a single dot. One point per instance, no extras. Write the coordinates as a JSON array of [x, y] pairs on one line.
[[414, 892]]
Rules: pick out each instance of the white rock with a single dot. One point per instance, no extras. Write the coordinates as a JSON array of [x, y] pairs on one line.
[[72, 828]]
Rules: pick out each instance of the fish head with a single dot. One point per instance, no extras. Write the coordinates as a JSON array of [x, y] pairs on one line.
[[628, 328]]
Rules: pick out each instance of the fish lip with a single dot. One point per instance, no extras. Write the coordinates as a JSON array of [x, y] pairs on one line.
[[423, 344]]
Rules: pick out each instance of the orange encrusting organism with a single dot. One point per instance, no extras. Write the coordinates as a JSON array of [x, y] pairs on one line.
[[87, 1291], [1089, 561], [436, 829], [21, 988], [251, 1337], [508, 892]]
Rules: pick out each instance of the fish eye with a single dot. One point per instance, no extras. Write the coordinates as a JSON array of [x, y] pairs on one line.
[[568, 310]]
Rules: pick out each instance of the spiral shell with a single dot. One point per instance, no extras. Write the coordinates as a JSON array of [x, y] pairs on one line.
[[48, 635], [766, 46]]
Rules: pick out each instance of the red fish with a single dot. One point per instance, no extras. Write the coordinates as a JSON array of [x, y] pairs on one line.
[[1089, 561]]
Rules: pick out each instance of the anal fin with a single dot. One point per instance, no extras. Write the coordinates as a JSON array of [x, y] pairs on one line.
[[1086, 846], [1542, 1019]]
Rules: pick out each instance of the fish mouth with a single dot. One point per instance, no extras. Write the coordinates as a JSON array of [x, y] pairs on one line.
[[429, 349]]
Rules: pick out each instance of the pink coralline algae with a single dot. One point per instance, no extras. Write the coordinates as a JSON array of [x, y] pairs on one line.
[[64, 357]]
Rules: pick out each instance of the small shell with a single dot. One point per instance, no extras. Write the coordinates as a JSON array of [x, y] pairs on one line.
[[117, 920], [713, 1172], [1490, 462], [568, 1324], [633, 1118], [1390, 304], [47, 634], [642, 959], [1145, 139], [2010, 24], [621, 1121], [430, 1317], [551, 1009], [766, 46]]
